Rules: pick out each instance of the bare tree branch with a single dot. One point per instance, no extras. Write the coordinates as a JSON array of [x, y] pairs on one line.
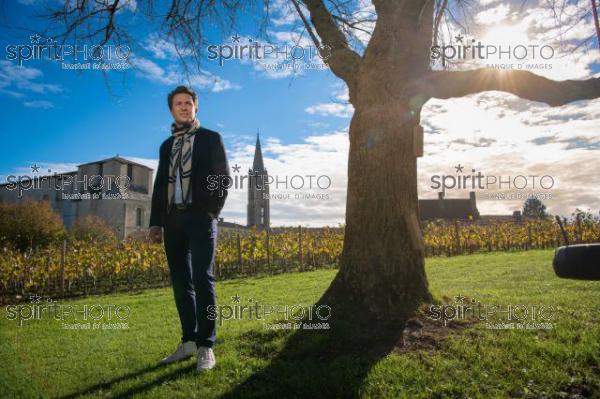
[[596, 23], [354, 24], [343, 61], [438, 18], [356, 20], [527, 85], [306, 25]]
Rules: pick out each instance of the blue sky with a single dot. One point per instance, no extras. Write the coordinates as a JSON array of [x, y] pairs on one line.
[[79, 120], [60, 118]]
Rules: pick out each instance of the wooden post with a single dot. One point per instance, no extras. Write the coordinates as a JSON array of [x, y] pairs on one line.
[[562, 230], [63, 255], [300, 247], [529, 243], [254, 262], [239, 253], [85, 280], [48, 272], [269, 252], [457, 232], [579, 235]]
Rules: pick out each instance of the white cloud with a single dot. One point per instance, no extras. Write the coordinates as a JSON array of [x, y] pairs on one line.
[[342, 93], [214, 82], [14, 78], [331, 109], [317, 125], [340, 107], [204, 80], [164, 49], [282, 13], [563, 28], [38, 104], [14, 94], [502, 135], [493, 15]]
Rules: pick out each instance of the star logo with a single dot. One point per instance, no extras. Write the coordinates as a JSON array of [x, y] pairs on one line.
[[459, 298], [235, 38], [236, 298], [459, 168], [459, 38], [35, 39], [236, 168], [35, 168], [34, 298]]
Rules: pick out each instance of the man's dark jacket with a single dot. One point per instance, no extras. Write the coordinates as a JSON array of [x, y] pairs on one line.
[[208, 159]]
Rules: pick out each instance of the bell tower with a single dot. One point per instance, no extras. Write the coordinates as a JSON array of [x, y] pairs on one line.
[[258, 191]]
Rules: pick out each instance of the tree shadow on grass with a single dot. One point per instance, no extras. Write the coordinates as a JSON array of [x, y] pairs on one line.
[[319, 363]]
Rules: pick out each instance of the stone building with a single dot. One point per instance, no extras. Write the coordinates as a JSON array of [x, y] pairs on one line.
[[115, 189], [449, 208], [258, 191]]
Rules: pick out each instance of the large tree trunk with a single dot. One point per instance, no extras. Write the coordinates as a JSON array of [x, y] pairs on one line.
[[382, 263], [382, 268]]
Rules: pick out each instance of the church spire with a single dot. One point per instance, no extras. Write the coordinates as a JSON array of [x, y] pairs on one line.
[[258, 165]]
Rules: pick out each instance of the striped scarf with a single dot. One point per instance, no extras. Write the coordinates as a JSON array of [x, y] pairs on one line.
[[181, 158]]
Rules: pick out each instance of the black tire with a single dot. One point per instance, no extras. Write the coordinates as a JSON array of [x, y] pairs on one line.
[[581, 261]]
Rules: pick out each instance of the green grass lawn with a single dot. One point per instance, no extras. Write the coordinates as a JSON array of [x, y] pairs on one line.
[[41, 359]]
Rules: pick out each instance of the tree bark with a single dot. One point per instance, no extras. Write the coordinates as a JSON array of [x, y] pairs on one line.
[[382, 274], [381, 268]]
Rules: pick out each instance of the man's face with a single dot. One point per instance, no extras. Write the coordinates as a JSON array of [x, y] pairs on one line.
[[183, 109]]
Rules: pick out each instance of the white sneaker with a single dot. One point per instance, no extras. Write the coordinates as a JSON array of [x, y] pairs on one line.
[[184, 350], [206, 359]]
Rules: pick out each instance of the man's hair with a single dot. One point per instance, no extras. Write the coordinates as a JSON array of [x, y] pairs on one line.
[[182, 89]]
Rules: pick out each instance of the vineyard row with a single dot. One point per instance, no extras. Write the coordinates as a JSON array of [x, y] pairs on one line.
[[80, 268]]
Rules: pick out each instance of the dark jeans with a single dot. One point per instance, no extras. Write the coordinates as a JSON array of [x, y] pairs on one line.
[[190, 244]]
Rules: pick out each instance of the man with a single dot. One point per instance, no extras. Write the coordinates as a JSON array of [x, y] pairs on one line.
[[186, 206]]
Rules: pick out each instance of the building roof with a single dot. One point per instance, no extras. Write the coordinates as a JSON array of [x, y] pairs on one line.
[[448, 208], [117, 159]]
